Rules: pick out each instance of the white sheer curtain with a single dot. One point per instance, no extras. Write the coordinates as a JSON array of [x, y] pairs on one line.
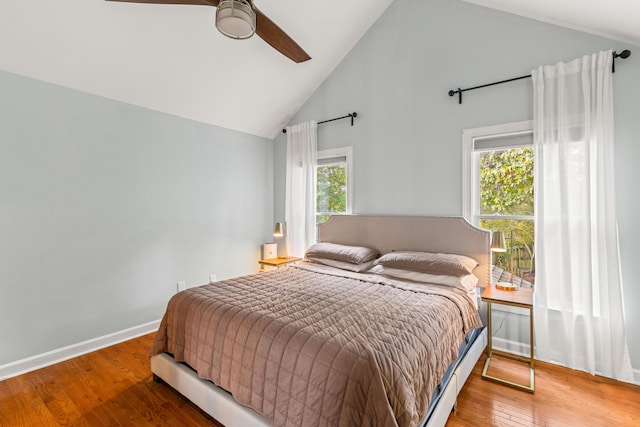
[[300, 199], [579, 312]]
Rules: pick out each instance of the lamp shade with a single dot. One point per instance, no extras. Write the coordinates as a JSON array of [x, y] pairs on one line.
[[236, 19], [498, 243], [279, 231]]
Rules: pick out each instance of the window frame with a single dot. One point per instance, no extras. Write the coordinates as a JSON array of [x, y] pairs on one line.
[[471, 166], [347, 153]]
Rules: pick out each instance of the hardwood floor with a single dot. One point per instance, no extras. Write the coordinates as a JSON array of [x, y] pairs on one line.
[[563, 397], [110, 387], [114, 387]]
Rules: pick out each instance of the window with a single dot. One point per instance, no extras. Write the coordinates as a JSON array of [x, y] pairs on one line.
[[334, 186], [498, 194]]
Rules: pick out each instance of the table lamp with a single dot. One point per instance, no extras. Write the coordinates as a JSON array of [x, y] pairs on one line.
[[498, 244], [280, 232]]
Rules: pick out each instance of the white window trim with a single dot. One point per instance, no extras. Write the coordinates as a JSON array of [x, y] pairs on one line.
[[346, 152], [471, 167]]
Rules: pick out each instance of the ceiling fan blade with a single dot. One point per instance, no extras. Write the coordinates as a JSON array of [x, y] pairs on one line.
[[197, 2], [277, 38], [265, 28]]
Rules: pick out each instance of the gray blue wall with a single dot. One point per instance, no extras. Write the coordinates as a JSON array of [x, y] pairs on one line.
[[105, 206], [407, 137]]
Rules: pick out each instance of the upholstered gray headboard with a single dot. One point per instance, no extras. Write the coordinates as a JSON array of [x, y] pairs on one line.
[[453, 235]]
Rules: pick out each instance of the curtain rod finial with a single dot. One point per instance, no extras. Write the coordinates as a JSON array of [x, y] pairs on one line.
[[624, 54]]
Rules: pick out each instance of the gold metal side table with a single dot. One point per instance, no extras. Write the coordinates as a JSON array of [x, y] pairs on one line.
[[522, 298]]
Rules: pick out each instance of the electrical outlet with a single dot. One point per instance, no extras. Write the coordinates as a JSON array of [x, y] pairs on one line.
[[181, 286], [212, 278]]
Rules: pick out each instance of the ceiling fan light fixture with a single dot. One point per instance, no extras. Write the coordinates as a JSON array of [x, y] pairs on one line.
[[236, 19]]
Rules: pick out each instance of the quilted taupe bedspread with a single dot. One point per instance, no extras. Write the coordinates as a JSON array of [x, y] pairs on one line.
[[311, 345]]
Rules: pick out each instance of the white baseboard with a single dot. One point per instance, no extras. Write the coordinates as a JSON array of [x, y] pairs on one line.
[[38, 361], [523, 350], [510, 346]]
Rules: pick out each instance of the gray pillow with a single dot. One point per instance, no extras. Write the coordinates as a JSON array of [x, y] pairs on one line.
[[353, 254], [428, 262]]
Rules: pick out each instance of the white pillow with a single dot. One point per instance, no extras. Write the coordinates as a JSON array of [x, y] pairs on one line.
[[349, 266], [467, 282]]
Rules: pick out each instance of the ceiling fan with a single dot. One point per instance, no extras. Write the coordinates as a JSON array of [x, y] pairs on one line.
[[240, 19]]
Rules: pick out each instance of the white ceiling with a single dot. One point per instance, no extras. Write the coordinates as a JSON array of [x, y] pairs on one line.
[[615, 19], [172, 59]]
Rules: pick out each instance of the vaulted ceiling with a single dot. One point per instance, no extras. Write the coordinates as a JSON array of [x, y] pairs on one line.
[[171, 58], [615, 19]]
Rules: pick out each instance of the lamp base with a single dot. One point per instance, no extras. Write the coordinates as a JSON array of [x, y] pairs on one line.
[[506, 286]]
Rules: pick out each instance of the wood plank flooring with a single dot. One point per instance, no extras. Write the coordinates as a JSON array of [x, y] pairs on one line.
[[114, 387], [563, 397], [110, 387]]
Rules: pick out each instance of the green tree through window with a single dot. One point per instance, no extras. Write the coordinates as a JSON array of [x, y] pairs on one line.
[[506, 182], [331, 194], [506, 190]]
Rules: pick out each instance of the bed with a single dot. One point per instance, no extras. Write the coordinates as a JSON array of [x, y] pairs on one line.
[[321, 344]]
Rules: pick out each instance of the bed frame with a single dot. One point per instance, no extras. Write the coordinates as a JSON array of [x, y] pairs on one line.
[[385, 233]]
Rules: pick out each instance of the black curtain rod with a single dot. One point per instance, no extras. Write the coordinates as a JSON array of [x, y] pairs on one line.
[[352, 115], [624, 54]]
